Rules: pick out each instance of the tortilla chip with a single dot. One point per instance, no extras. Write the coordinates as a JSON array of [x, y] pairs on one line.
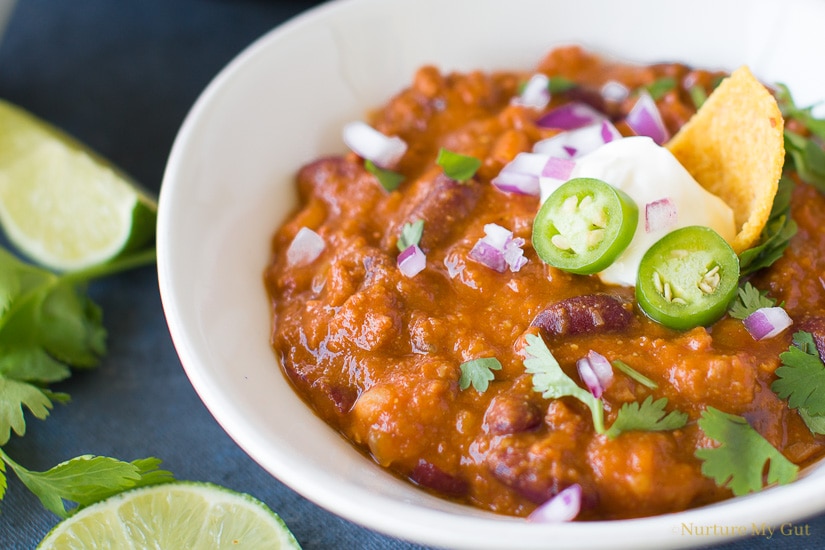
[[734, 147]]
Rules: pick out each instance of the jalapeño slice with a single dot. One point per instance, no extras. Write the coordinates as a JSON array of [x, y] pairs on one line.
[[688, 278], [584, 225]]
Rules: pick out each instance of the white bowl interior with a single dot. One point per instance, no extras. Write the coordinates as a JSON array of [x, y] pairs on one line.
[[282, 102]]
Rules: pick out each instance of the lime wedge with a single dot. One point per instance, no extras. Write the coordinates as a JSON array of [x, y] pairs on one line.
[[173, 515], [62, 205]]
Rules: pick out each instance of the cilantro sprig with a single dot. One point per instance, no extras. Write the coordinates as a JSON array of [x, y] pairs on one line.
[[48, 326], [748, 300], [649, 416], [478, 373], [85, 480], [389, 179], [806, 153], [411, 234], [457, 166], [739, 461], [775, 236], [801, 377], [551, 381]]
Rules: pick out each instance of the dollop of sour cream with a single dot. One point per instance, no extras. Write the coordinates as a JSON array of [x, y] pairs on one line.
[[648, 173]]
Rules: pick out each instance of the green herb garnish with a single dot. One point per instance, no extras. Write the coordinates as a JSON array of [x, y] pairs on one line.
[[560, 84], [457, 166], [410, 234], [776, 235], [749, 300], [739, 461], [551, 381], [479, 373], [808, 159], [649, 416], [85, 480], [801, 377], [697, 95], [634, 374], [803, 115], [388, 179], [47, 326], [659, 87]]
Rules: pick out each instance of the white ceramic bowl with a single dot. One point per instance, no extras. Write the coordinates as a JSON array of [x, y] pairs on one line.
[[283, 101]]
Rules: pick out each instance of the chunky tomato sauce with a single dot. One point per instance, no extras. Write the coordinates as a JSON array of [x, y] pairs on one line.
[[377, 354]]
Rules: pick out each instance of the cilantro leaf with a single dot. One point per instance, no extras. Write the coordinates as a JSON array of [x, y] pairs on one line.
[[560, 84], [457, 166], [803, 115], [15, 395], [388, 179], [649, 416], [634, 374], [698, 96], [551, 381], [661, 86], [410, 234], [87, 479], [808, 159], [739, 460], [815, 423], [776, 235], [478, 372], [801, 377], [749, 300]]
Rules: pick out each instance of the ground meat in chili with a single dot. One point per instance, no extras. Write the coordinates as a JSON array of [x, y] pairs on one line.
[[377, 354]]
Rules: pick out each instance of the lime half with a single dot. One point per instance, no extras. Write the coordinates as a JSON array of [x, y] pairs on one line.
[[174, 515], [61, 204]]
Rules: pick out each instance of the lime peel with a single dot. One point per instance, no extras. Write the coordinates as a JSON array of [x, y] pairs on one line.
[[180, 514], [61, 204]]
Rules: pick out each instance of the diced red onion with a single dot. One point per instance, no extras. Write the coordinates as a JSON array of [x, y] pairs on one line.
[[596, 372], [412, 261], [368, 143], [767, 322], [536, 92], [498, 249], [570, 116], [563, 507], [645, 120], [487, 254], [660, 214], [305, 247], [614, 92], [521, 175], [558, 169], [575, 143]]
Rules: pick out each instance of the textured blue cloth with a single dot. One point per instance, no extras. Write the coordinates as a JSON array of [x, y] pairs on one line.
[[121, 75]]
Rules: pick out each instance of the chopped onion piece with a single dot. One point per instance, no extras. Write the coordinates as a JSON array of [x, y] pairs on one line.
[[563, 507], [498, 249], [486, 254], [557, 168], [645, 120], [521, 175], [596, 372], [614, 91], [571, 116], [536, 92], [368, 143], [305, 247], [767, 322], [660, 214], [412, 261], [575, 143]]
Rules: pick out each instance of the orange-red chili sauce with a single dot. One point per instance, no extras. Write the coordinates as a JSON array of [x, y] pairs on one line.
[[377, 354]]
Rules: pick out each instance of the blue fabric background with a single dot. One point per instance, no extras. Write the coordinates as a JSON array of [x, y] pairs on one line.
[[121, 75]]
